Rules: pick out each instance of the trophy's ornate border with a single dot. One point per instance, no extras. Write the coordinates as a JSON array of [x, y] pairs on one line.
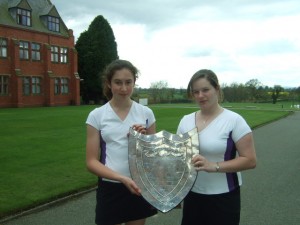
[[160, 164]]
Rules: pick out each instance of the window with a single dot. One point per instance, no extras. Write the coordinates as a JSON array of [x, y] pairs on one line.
[[31, 85], [36, 85], [59, 54], [63, 55], [35, 52], [53, 23], [64, 86], [61, 86], [24, 50], [26, 85], [3, 47], [3, 85], [54, 54], [24, 17], [56, 86]]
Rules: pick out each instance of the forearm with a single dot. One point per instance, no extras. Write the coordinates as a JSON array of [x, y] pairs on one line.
[[100, 170], [234, 165]]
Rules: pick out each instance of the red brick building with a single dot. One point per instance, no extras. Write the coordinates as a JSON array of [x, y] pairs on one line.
[[38, 60]]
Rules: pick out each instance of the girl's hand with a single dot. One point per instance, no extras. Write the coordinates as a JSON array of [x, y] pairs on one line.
[[139, 128], [202, 164], [131, 185]]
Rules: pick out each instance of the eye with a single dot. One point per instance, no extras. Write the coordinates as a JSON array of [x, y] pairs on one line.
[[118, 82], [129, 82], [195, 92]]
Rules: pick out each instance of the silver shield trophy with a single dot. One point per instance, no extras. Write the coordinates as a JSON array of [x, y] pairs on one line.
[[160, 164]]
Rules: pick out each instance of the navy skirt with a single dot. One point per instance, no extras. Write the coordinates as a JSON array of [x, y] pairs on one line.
[[116, 204], [219, 209]]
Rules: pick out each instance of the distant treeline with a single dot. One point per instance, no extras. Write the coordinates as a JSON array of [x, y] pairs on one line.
[[251, 91]]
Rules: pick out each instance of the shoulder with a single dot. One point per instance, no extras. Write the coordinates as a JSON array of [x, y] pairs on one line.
[[189, 117], [231, 114], [97, 115], [236, 123], [186, 123], [99, 110]]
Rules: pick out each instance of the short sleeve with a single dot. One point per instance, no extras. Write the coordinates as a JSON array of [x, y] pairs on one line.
[[150, 118], [91, 120], [241, 128]]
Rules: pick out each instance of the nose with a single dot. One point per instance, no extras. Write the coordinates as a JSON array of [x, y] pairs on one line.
[[199, 93], [124, 87]]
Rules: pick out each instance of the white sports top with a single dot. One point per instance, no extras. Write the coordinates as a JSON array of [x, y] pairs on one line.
[[217, 143], [113, 133]]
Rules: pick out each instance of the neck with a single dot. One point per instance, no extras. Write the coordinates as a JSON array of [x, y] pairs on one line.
[[121, 104], [206, 116], [210, 112]]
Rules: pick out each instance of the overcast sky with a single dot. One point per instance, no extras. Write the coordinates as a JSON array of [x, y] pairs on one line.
[[169, 40]]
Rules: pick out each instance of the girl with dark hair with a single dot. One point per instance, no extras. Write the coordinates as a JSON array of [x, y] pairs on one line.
[[119, 199]]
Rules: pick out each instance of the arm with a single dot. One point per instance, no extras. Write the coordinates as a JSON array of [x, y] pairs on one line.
[[97, 168], [151, 129], [245, 160]]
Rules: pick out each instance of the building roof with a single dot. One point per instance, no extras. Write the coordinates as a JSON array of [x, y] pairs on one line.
[[38, 9]]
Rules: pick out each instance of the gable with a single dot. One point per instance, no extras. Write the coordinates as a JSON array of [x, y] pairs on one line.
[[24, 5], [40, 10], [53, 12]]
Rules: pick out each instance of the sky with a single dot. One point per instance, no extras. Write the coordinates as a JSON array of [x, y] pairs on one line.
[[170, 40]]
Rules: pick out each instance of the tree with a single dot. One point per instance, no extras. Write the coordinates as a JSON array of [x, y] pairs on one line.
[[85, 58], [252, 86], [96, 48], [234, 93], [158, 90], [275, 93]]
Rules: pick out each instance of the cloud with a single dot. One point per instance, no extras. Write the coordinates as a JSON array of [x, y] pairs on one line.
[[170, 40]]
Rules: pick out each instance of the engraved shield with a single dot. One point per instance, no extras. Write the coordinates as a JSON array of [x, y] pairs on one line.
[[160, 164]]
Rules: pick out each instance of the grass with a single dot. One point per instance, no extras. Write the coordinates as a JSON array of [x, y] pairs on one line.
[[42, 153]]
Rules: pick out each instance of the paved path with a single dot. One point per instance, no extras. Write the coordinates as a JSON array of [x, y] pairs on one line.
[[270, 193]]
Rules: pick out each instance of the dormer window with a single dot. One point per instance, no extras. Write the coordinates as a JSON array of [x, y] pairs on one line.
[[24, 17], [53, 23]]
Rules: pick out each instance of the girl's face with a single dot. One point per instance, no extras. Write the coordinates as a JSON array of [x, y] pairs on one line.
[[205, 95], [122, 84]]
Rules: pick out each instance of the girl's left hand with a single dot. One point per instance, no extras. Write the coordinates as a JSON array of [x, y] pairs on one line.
[[139, 128]]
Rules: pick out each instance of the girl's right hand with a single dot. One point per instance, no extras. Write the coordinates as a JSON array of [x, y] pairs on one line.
[[131, 185]]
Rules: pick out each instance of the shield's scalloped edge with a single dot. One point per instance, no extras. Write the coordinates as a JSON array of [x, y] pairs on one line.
[[163, 206]]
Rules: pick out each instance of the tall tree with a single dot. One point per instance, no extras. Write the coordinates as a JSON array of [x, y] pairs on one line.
[[276, 92], [96, 48], [252, 87]]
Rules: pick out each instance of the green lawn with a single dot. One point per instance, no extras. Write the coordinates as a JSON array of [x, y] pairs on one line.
[[42, 153]]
